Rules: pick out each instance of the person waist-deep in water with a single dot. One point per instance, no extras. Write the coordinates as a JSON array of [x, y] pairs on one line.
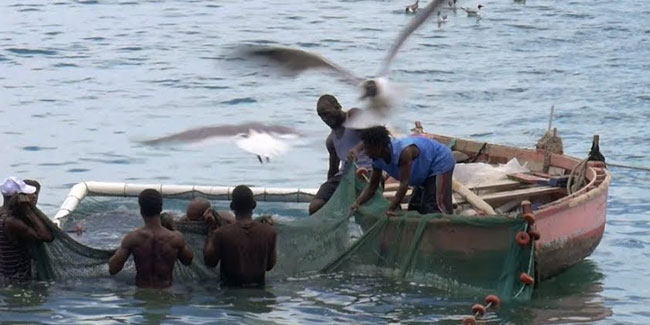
[[339, 143], [417, 161], [246, 249], [200, 209], [155, 248], [20, 228]]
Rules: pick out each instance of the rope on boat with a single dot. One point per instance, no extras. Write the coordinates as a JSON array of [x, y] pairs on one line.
[[629, 167]]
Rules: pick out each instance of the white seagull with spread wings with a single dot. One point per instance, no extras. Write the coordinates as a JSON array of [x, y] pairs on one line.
[[377, 91]]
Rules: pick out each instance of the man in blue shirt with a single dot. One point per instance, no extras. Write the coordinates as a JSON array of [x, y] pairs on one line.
[[423, 163]]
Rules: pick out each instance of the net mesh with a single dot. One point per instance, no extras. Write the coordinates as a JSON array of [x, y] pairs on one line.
[[472, 255]]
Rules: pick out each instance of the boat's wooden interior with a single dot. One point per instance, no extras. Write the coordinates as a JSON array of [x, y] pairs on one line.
[[505, 195]]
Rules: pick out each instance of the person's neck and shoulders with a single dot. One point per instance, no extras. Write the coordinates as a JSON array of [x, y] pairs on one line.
[[155, 248], [245, 223]]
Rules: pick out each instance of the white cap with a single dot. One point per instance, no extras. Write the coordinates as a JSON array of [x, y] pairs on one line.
[[12, 185]]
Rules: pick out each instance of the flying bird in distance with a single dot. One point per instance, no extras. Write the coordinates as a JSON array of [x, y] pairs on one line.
[[264, 141], [377, 91]]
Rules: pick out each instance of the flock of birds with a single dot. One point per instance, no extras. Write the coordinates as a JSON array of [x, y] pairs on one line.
[[379, 94], [452, 5]]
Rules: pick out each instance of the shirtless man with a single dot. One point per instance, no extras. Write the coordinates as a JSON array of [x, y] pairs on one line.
[[246, 249], [154, 247], [200, 208], [339, 143], [19, 228]]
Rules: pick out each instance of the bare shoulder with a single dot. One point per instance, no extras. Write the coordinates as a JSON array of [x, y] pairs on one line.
[[329, 141], [353, 111], [134, 237], [176, 237], [268, 229]]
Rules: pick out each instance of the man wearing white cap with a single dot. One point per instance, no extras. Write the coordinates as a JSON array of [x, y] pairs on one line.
[[19, 228]]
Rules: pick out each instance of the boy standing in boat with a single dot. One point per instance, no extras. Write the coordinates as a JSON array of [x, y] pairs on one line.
[[245, 249], [339, 143], [417, 161], [19, 228], [155, 248]]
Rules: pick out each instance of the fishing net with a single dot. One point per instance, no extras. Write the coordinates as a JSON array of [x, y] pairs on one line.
[[474, 255]]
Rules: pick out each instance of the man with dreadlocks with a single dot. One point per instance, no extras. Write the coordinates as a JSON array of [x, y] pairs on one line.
[[339, 143], [417, 161]]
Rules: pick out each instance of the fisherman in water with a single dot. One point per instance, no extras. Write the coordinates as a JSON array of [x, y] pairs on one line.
[[155, 248], [20, 227]]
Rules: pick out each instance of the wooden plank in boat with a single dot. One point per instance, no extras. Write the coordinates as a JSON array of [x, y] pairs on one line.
[[496, 185], [520, 193], [528, 178], [523, 193]]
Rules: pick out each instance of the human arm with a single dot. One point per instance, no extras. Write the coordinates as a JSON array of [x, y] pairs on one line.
[[406, 159], [185, 254], [272, 253], [211, 253], [42, 230], [369, 190], [121, 255], [167, 221], [33, 229], [353, 154], [333, 158]]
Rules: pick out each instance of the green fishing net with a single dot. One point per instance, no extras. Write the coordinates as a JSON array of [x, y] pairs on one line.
[[474, 255]]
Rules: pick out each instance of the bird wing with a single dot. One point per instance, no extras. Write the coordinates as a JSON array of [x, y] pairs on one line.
[[221, 131], [417, 21], [293, 61], [262, 144]]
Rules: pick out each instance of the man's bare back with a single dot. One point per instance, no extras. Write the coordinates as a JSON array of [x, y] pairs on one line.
[[155, 250]]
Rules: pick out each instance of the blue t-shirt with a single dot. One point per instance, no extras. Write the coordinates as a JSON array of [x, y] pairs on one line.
[[434, 159]]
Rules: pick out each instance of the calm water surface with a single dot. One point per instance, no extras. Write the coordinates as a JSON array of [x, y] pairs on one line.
[[81, 82]]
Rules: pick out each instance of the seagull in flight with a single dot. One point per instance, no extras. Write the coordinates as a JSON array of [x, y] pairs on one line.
[[377, 91], [264, 141]]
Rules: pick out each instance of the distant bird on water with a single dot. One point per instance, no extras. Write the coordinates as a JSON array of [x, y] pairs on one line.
[[441, 19], [377, 91], [264, 141], [471, 12], [411, 9], [452, 5]]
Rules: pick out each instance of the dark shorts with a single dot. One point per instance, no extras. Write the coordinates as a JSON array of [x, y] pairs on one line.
[[328, 188], [434, 195]]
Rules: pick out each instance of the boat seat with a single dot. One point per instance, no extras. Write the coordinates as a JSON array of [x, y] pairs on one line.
[[517, 194]]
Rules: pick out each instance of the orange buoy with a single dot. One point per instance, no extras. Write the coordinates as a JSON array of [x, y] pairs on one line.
[[478, 310], [534, 234], [522, 238], [471, 320], [526, 278], [529, 217], [493, 301]]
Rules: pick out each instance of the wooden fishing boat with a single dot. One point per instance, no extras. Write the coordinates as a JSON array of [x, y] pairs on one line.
[[570, 223]]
